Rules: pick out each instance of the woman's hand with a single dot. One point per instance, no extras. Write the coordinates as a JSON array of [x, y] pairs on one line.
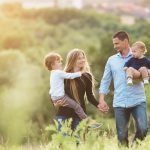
[[60, 103]]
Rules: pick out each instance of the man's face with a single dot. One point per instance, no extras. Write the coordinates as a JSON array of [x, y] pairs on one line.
[[119, 45]]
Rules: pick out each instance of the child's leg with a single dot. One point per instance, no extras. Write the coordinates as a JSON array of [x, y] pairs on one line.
[[149, 72], [132, 73], [77, 108], [144, 73]]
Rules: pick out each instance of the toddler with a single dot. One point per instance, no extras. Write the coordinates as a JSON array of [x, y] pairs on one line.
[[138, 66]]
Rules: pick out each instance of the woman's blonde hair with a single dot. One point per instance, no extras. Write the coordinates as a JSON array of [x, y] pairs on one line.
[[72, 58], [141, 45], [69, 67]]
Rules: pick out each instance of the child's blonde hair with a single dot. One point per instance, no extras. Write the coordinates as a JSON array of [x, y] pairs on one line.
[[50, 59], [140, 45]]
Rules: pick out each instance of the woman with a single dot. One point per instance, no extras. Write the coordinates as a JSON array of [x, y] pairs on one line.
[[77, 88]]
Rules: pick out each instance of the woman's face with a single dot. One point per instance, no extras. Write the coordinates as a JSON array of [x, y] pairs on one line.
[[80, 62]]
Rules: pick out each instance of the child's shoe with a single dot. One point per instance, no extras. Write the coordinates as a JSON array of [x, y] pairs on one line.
[[129, 81], [94, 126], [146, 82]]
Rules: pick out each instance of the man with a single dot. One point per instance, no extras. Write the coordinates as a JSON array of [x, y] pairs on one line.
[[127, 99]]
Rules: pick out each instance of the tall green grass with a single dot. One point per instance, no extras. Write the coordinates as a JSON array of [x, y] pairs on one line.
[[99, 139]]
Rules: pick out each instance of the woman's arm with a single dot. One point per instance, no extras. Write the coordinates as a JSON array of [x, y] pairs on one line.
[[89, 90]]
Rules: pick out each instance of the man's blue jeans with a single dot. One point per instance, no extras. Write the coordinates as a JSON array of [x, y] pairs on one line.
[[122, 116]]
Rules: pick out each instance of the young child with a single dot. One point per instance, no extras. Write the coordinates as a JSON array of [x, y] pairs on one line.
[[53, 62], [138, 66]]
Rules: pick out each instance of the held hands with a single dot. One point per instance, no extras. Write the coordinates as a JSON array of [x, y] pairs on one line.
[[103, 106]]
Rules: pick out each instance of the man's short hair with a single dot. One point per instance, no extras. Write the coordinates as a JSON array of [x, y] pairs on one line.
[[121, 35]]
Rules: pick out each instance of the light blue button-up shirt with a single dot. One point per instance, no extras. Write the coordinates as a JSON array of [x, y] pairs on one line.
[[124, 95]]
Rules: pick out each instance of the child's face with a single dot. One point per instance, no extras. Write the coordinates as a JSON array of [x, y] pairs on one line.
[[57, 65], [137, 52]]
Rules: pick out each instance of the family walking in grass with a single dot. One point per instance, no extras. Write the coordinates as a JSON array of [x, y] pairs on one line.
[[129, 70]]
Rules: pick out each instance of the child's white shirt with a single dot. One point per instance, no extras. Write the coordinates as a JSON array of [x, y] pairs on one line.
[[57, 82]]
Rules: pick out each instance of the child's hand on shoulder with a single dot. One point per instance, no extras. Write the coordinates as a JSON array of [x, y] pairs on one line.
[[82, 72]]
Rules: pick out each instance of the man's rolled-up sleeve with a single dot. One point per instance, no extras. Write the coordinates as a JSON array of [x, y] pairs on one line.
[[106, 79]]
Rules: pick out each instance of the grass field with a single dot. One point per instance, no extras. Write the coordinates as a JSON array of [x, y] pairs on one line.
[[100, 139]]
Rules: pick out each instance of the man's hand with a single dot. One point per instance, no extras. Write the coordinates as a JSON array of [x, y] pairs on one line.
[[125, 68]]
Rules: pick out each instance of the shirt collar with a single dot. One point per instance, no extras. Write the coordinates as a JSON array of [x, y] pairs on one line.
[[128, 55]]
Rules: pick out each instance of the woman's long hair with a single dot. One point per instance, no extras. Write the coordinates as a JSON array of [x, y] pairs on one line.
[[69, 67]]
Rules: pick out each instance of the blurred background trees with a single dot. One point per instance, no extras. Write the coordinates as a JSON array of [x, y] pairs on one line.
[[26, 36]]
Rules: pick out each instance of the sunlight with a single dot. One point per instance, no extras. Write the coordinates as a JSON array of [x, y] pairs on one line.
[[29, 29], [8, 1]]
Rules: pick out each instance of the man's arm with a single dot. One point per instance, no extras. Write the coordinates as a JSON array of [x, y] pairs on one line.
[[104, 87], [102, 104]]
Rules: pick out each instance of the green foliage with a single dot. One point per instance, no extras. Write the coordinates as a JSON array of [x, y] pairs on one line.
[[103, 138], [25, 37], [83, 138], [19, 99]]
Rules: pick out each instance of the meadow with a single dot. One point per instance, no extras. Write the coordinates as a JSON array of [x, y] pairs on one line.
[[26, 111]]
